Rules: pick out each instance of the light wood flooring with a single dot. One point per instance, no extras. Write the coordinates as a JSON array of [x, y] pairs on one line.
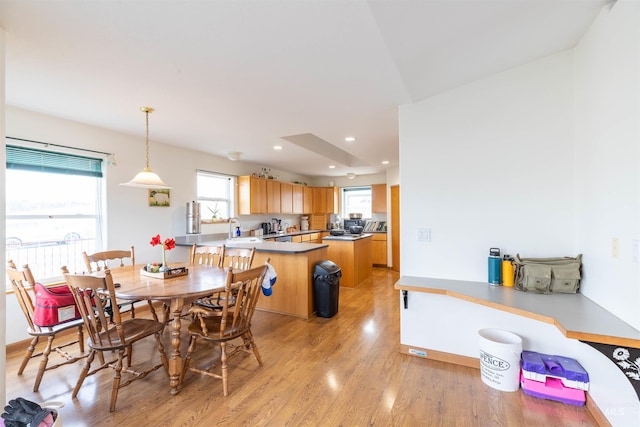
[[341, 371]]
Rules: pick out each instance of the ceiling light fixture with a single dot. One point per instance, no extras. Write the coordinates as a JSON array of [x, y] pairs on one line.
[[385, 162], [234, 156], [147, 178], [277, 147], [350, 139], [332, 167], [351, 175]]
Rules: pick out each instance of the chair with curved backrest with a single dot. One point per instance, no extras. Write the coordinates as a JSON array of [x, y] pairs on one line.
[[207, 255], [22, 282], [236, 258], [91, 293], [99, 261], [234, 322]]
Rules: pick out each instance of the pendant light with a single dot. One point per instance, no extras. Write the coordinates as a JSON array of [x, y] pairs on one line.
[[147, 178]]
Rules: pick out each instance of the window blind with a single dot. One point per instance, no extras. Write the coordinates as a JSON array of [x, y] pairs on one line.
[[47, 161]]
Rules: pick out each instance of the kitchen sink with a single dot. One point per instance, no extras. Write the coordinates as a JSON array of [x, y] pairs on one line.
[[249, 239]]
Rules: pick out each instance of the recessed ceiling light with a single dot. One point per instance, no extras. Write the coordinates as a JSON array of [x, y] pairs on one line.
[[385, 162], [350, 139], [277, 147], [332, 167]]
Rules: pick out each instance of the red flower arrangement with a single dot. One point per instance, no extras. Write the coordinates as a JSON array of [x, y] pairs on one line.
[[167, 245]]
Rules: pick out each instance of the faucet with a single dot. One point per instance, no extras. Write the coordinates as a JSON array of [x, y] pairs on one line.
[[231, 221]]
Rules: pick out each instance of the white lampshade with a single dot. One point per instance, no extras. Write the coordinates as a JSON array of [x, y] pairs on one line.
[[147, 179]]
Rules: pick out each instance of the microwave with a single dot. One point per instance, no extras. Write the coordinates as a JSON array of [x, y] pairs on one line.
[[351, 222]]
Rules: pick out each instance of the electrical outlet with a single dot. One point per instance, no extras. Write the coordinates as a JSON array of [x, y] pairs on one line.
[[615, 247]]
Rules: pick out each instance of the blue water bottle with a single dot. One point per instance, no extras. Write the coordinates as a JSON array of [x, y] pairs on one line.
[[495, 267]]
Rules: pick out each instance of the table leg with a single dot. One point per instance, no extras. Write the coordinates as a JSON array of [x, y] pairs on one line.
[[175, 360]]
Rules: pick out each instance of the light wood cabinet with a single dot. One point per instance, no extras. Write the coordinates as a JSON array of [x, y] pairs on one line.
[[286, 197], [273, 196], [252, 195], [379, 249], [297, 198], [332, 199], [307, 200], [379, 198], [296, 239], [319, 200]]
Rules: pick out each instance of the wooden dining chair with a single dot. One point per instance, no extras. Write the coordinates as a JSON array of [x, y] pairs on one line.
[[22, 282], [206, 255], [90, 293], [233, 323], [99, 261], [236, 258]]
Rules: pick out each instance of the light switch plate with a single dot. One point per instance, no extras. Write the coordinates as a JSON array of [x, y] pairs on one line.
[[424, 235]]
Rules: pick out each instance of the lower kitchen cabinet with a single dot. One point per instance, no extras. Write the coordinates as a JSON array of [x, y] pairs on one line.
[[379, 249]]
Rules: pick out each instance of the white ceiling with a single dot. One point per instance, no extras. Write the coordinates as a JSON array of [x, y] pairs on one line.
[[232, 75]]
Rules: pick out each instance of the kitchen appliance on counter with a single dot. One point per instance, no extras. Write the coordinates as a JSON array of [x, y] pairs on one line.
[[193, 217], [353, 222], [276, 225], [266, 227], [356, 229], [334, 222]]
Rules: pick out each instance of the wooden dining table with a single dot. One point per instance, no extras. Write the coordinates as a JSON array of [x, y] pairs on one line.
[[202, 280]]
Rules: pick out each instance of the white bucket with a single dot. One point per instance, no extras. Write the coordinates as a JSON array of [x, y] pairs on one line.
[[500, 353]]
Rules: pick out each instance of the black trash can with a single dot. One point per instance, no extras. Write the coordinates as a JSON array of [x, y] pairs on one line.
[[326, 288]]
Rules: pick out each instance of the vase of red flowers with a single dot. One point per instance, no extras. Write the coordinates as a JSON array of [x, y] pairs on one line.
[[167, 245]]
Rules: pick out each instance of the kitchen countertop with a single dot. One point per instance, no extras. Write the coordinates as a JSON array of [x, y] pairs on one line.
[[219, 240], [348, 237]]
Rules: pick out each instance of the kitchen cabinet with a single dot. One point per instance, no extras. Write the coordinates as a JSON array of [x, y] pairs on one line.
[[307, 200], [332, 199], [379, 198], [379, 249], [353, 256], [273, 196], [319, 200], [286, 198], [297, 197], [252, 195]]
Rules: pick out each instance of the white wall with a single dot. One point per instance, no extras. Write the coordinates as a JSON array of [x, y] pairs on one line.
[[489, 164], [607, 118]]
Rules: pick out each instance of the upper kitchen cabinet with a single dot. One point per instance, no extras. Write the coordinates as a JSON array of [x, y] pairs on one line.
[[297, 198], [286, 198], [324, 200], [379, 198], [273, 196], [252, 195], [307, 200]]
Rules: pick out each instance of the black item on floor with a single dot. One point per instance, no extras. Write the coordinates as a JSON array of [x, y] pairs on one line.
[[326, 288]]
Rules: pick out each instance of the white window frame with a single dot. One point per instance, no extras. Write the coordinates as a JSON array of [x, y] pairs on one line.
[[229, 197]]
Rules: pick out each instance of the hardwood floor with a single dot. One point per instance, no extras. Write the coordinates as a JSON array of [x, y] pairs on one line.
[[341, 371]]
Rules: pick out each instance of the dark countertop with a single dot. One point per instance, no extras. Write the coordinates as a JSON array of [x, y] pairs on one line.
[[245, 242], [348, 237]]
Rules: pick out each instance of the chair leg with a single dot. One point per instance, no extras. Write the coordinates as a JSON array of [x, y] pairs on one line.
[[43, 362], [250, 343], [81, 338], [129, 355], [133, 310], [116, 381], [84, 372], [28, 354], [163, 355], [223, 362], [187, 357]]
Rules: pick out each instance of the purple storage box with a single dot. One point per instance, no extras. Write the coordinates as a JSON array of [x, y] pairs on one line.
[[539, 366]]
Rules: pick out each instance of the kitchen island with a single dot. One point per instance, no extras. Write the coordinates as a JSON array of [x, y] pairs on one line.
[[352, 253], [293, 262]]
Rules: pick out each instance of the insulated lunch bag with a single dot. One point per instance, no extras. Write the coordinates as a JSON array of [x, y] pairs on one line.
[[54, 305]]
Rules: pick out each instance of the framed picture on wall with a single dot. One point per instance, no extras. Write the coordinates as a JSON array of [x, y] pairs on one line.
[[160, 198]]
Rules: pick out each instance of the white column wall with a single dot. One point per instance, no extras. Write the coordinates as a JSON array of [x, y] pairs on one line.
[[607, 191]]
